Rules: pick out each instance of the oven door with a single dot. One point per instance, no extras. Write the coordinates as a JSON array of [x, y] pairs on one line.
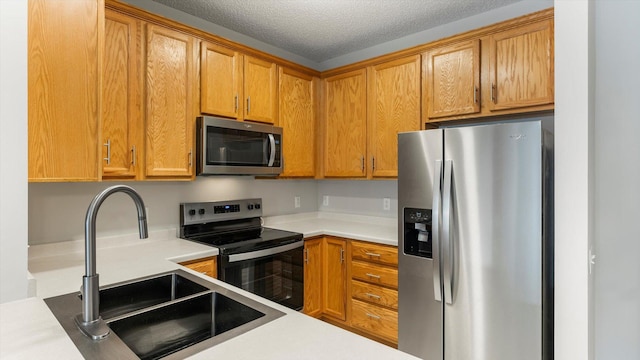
[[275, 273]]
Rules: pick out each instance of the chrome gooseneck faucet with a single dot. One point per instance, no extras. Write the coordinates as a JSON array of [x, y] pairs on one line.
[[90, 322]]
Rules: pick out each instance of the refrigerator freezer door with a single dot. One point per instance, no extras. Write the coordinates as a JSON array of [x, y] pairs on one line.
[[419, 313], [495, 243]]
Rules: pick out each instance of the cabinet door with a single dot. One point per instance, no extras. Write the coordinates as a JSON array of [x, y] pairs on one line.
[[207, 266], [220, 80], [169, 99], [452, 79], [260, 90], [394, 106], [521, 66], [298, 122], [313, 277], [345, 137], [63, 93], [334, 279], [121, 96]]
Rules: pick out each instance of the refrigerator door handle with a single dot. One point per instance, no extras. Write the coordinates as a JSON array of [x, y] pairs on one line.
[[447, 248], [435, 235]]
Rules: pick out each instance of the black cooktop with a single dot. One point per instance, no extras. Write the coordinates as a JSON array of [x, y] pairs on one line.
[[234, 242]]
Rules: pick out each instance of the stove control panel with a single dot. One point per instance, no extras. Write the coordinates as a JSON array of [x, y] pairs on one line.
[[204, 212]]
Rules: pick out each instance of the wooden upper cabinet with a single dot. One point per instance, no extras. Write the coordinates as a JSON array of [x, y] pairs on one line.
[[169, 95], [63, 89], [296, 113], [220, 80], [121, 97], [394, 106], [345, 133], [334, 278], [452, 79], [313, 277], [260, 90], [521, 66]]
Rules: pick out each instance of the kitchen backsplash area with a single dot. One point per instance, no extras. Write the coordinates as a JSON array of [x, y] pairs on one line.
[[57, 210]]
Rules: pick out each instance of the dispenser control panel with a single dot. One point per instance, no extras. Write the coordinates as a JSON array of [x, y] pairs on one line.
[[417, 232]]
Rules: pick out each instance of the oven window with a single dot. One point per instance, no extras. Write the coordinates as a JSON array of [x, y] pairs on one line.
[[278, 278]]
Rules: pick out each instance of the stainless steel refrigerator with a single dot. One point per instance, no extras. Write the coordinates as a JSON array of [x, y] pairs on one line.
[[475, 212]]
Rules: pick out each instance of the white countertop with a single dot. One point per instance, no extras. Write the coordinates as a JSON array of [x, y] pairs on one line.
[[367, 228], [29, 330]]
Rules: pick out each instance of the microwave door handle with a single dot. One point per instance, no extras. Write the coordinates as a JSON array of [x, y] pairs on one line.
[[272, 153]]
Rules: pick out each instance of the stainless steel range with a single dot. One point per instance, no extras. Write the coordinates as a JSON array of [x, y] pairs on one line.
[[267, 262]]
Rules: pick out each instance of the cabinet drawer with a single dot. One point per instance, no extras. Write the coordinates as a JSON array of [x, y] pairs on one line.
[[374, 274], [374, 294], [375, 320], [206, 266], [374, 253]]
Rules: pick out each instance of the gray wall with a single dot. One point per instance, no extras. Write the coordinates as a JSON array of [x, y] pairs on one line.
[[617, 180], [57, 210]]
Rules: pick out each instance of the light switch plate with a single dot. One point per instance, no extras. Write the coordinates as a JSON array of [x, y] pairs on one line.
[[296, 202], [325, 200], [386, 204]]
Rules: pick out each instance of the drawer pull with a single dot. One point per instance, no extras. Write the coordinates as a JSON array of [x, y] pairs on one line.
[[373, 254], [371, 316], [377, 297], [373, 276]]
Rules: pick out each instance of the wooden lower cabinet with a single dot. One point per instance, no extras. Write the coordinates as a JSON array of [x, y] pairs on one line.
[[334, 278], [375, 320], [207, 266], [313, 277], [354, 285]]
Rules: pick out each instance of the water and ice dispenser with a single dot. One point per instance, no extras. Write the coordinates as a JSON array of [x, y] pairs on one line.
[[417, 232]]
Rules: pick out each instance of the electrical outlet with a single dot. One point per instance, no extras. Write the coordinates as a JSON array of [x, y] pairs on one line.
[[325, 200], [296, 202], [386, 204]]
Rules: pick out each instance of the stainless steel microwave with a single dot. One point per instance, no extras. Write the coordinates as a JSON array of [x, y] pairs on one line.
[[230, 147]]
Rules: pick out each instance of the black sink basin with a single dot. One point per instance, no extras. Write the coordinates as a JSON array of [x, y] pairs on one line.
[[170, 315], [156, 333], [128, 297]]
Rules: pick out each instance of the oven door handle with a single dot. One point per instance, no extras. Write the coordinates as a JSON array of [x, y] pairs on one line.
[[265, 252]]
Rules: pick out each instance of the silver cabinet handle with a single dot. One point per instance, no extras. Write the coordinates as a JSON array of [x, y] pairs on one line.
[[447, 250], [373, 254], [437, 200], [236, 101], [133, 155], [190, 157], [373, 163], [341, 255], [494, 96], [248, 104], [373, 276], [475, 94], [108, 145], [306, 256], [362, 161], [272, 153], [377, 297], [371, 316]]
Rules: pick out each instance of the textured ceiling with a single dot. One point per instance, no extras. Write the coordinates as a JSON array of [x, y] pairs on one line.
[[324, 29]]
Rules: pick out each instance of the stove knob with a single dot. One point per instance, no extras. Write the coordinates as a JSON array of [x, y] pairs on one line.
[[201, 211], [250, 206], [192, 212], [257, 206]]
